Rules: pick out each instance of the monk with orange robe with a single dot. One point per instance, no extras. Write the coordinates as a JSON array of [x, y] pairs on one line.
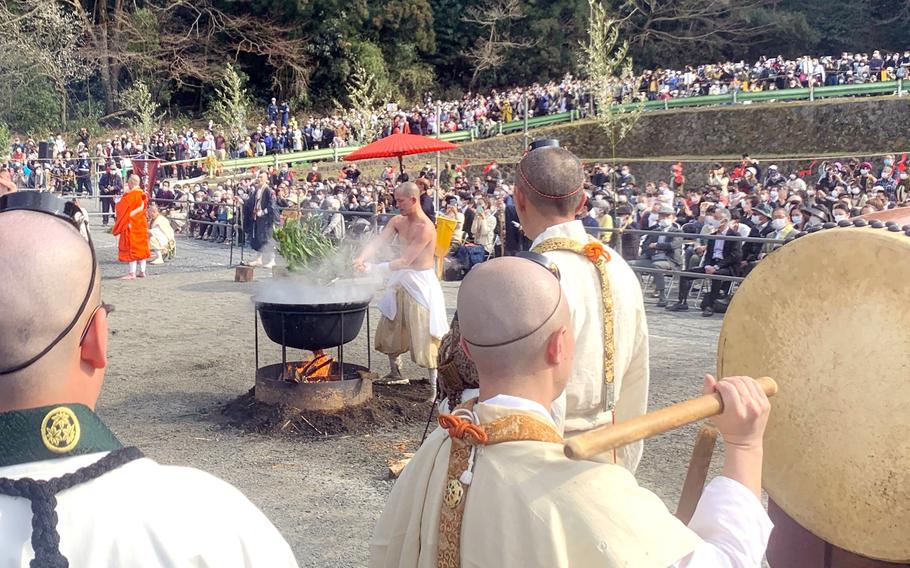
[[133, 228]]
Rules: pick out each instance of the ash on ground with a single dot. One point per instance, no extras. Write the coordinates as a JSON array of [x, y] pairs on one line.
[[392, 406]]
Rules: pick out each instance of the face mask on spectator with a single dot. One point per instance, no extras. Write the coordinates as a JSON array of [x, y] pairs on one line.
[[792, 176], [642, 206], [888, 162], [797, 219], [778, 224], [665, 223], [623, 199], [774, 196], [854, 190], [756, 219], [838, 217], [815, 222], [712, 222]]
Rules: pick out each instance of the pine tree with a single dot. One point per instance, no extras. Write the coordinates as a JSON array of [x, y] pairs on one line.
[[606, 62]]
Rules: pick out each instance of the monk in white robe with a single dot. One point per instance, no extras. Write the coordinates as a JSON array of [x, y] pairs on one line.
[[118, 508], [161, 236], [493, 487], [610, 376], [413, 307]]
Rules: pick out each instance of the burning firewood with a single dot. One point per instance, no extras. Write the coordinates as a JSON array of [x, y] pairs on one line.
[[315, 369]]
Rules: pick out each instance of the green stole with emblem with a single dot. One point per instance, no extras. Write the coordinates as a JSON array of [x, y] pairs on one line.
[[51, 432]]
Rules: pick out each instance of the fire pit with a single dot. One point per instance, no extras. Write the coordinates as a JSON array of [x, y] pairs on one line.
[[344, 386], [319, 382]]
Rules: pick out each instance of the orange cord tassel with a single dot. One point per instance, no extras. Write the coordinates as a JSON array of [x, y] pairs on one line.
[[461, 428], [595, 251]]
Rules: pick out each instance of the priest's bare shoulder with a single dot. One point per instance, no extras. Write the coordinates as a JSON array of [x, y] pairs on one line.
[[416, 233]]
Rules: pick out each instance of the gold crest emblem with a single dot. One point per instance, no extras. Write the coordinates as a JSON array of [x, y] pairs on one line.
[[454, 493], [60, 430]]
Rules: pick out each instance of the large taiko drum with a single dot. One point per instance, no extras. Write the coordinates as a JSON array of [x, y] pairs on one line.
[[828, 316]]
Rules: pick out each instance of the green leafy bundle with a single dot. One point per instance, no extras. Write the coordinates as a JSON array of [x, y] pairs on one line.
[[302, 243]]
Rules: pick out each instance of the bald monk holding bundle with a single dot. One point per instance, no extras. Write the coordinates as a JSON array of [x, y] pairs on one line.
[[70, 493], [492, 487], [413, 308], [609, 378]]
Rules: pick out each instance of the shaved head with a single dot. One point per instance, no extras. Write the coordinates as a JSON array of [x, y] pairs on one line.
[[505, 299], [45, 271], [408, 189], [551, 178]]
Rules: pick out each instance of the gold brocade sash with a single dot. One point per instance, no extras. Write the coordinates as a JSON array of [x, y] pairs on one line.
[[465, 437], [594, 252]]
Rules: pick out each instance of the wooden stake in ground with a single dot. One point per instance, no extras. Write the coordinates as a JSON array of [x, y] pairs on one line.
[[697, 473], [397, 466]]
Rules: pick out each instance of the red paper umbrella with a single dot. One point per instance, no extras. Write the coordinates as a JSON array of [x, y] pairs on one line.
[[397, 146]]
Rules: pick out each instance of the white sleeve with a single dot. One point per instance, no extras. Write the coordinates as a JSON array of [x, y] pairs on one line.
[[733, 525]]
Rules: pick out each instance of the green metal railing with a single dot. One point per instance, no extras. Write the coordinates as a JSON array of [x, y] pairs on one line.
[[807, 94]]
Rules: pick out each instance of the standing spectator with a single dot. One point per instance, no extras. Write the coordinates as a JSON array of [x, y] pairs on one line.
[[260, 218], [285, 110], [484, 225], [84, 174], [626, 243], [586, 216], [426, 200], [272, 112], [110, 186], [334, 221], [451, 212]]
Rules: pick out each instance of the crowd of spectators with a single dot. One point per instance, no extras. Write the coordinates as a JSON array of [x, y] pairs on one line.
[[768, 73], [70, 167], [745, 199]]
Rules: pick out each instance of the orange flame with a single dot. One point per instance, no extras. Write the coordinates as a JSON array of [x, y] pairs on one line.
[[315, 369]]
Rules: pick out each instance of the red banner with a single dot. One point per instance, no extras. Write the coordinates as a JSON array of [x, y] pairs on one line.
[[147, 170]]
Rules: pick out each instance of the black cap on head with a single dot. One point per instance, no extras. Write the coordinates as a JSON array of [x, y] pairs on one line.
[[542, 143]]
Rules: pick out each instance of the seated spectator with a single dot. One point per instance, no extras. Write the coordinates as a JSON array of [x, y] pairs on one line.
[[721, 257], [662, 252]]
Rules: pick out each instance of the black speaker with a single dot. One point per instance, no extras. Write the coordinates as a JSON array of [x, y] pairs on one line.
[[44, 151]]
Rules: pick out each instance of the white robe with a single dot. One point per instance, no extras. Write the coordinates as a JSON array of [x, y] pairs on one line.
[[144, 515], [529, 505], [581, 407]]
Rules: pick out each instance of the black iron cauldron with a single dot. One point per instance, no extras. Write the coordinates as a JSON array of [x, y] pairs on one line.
[[312, 326]]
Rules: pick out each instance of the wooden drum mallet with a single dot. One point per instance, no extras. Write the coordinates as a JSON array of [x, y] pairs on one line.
[[605, 438]]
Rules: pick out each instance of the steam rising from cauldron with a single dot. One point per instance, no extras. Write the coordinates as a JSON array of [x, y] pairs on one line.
[[302, 289], [331, 281]]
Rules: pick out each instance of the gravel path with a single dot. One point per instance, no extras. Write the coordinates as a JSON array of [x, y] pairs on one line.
[[182, 346]]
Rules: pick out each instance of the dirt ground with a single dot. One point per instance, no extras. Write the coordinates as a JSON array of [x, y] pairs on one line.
[[182, 347]]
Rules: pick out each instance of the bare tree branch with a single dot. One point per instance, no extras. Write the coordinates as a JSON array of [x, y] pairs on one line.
[[489, 51]]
